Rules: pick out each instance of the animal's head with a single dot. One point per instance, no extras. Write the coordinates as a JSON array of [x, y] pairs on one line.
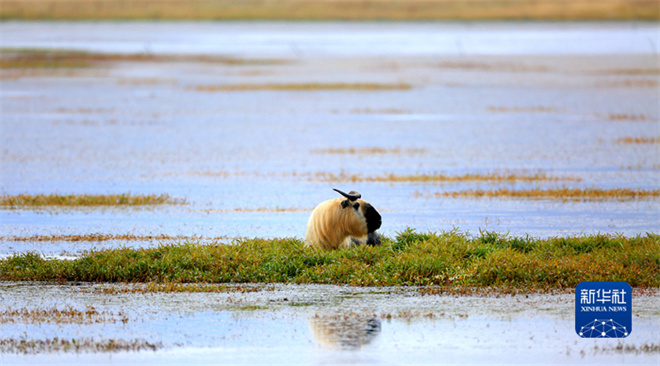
[[361, 207]]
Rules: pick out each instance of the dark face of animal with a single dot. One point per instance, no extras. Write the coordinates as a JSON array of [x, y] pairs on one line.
[[368, 211], [372, 216]]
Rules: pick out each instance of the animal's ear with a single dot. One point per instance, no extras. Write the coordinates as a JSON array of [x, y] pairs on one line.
[[344, 203]]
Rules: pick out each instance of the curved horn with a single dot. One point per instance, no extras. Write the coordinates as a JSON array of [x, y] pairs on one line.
[[351, 196]]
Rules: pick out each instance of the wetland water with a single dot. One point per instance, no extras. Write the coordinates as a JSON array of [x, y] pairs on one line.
[[254, 124], [313, 324]]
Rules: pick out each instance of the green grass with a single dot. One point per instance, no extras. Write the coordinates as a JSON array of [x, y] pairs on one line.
[[452, 260], [123, 199]]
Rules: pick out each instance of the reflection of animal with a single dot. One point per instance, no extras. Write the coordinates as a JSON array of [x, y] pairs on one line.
[[342, 222], [346, 332]]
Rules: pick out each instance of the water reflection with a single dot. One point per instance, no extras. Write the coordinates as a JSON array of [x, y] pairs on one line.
[[344, 332]]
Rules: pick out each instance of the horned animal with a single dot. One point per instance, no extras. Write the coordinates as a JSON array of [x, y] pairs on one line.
[[343, 222]]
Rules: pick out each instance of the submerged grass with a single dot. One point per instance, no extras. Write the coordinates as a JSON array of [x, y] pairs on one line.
[[639, 140], [301, 87], [369, 151], [561, 193], [66, 315], [438, 177], [80, 345], [27, 58], [123, 199], [453, 260], [171, 287], [430, 177], [628, 117], [102, 237]]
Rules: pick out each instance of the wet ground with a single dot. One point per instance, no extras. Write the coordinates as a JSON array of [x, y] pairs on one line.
[[566, 101]]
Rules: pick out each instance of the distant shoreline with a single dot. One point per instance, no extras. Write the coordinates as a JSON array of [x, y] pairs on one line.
[[348, 10]]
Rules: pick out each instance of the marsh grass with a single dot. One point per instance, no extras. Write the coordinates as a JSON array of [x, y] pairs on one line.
[[331, 10], [19, 58], [537, 109], [369, 151], [638, 140], [25, 346], [560, 193], [43, 59], [436, 177], [495, 67], [74, 200], [632, 83], [627, 117], [171, 287], [301, 87], [102, 237], [66, 315], [431, 177], [452, 260]]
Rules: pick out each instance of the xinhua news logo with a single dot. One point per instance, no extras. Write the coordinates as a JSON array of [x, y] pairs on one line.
[[603, 309]]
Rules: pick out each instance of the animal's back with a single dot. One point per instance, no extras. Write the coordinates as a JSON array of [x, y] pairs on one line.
[[319, 231]]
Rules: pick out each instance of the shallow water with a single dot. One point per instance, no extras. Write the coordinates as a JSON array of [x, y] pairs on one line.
[[296, 39], [321, 324], [519, 98], [506, 98]]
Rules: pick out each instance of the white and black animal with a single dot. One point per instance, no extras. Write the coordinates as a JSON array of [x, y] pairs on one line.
[[343, 222]]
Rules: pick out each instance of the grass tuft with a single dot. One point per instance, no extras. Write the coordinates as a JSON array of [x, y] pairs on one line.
[[561, 193], [639, 140], [26, 58], [73, 200], [36, 346], [455, 261], [98, 237]]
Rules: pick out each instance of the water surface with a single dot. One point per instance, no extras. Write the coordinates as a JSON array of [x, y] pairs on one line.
[[555, 99]]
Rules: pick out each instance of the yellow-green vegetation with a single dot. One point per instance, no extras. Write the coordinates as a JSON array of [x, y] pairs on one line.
[[452, 260], [172, 287], [123, 199], [101, 237], [19, 58], [561, 193], [301, 87], [331, 9]]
